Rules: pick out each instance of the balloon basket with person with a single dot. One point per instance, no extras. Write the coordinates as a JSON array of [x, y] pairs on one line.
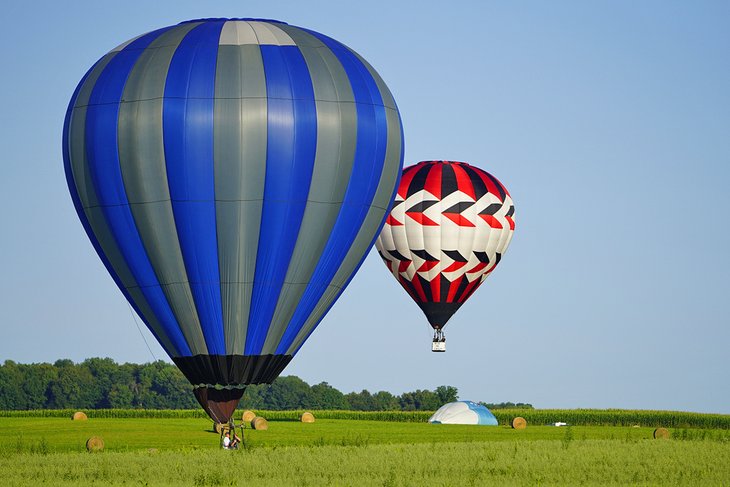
[[439, 341], [230, 439]]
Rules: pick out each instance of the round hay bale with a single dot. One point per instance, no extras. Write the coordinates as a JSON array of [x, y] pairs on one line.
[[248, 416], [259, 423], [519, 423], [307, 417], [95, 444], [79, 416], [661, 433]]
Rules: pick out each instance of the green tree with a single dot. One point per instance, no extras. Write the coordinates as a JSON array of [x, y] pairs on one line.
[[104, 371], [162, 386], [385, 401], [253, 396], [361, 401], [288, 392], [419, 400], [37, 378], [73, 388], [11, 387], [124, 387], [144, 396], [121, 396], [102, 383], [447, 394], [173, 388], [324, 396]]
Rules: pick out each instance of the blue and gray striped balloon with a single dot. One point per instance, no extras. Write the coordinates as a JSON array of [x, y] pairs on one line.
[[232, 174]]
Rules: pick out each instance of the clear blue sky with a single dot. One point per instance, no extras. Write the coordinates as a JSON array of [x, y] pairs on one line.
[[608, 121]]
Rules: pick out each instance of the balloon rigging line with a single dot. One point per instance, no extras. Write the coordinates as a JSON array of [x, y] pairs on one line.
[[140, 332]]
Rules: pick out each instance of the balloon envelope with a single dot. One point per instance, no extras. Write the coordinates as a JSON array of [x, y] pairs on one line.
[[232, 174], [449, 227], [463, 412]]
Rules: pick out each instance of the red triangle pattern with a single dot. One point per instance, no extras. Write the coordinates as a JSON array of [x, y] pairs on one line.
[[511, 222], [454, 267], [423, 219], [491, 221], [393, 222], [428, 265], [477, 268], [459, 219]]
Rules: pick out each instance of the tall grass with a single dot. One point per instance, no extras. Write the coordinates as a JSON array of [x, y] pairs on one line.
[[608, 462], [577, 417], [617, 417]]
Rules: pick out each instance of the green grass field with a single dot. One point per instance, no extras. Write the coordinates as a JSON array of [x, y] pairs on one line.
[[185, 451], [59, 435]]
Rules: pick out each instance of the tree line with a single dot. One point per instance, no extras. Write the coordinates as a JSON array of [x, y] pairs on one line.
[[100, 383]]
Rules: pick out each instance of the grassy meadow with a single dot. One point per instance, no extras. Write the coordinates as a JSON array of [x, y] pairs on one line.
[[185, 451]]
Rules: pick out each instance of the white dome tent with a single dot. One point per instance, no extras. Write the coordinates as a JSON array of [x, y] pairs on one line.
[[463, 412]]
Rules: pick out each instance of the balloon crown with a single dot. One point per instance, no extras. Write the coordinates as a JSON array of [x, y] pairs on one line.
[[445, 162], [217, 19]]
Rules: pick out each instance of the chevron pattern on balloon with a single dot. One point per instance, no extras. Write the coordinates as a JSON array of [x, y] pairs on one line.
[[449, 227]]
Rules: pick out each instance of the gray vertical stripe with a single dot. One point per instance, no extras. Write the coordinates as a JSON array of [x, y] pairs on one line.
[[386, 95], [142, 161], [240, 168], [365, 236], [90, 203], [334, 160], [271, 34]]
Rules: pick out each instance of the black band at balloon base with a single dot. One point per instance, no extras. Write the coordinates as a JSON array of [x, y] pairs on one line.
[[220, 404], [439, 313], [237, 370]]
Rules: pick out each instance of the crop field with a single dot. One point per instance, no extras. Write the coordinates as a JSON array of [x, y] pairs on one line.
[[576, 417], [36, 448]]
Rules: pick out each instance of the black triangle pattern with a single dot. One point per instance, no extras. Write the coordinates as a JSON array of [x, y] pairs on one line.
[[398, 255], [459, 207], [421, 206], [491, 209], [455, 255], [482, 256], [425, 255]]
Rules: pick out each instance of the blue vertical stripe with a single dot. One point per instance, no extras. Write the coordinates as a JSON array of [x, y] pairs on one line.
[[484, 415], [291, 145], [102, 153], [359, 264], [187, 118], [82, 214], [372, 138]]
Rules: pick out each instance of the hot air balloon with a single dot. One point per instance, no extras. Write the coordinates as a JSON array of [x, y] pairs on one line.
[[231, 175], [449, 227], [463, 412]]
